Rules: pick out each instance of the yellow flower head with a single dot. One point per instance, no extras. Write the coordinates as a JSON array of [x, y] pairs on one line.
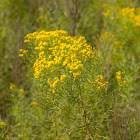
[[118, 77], [62, 77], [21, 91], [33, 103], [98, 88], [21, 55]]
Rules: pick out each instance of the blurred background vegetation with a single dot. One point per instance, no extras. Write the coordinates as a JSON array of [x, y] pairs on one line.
[[78, 17]]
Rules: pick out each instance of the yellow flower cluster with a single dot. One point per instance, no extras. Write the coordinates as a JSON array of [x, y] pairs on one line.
[[21, 91], [55, 50], [120, 77], [12, 86], [108, 13], [99, 83], [33, 103], [131, 14], [76, 74], [106, 35], [2, 124], [53, 83], [62, 77], [23, 52], [30, 36], [40, 64]]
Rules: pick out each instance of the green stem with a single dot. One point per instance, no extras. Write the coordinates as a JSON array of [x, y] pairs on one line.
[[55, 123], [84, 115]]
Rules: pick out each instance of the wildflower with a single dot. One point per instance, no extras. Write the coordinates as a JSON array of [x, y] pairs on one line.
[[76, 74], [31, 55], [124, 82], [33, 103], [21, 55], [26, 41], [49, 81], [62, 77], [98, 88], [118, 73], [106, 82], [41, 48], [108, 12], [36, 48], [12, 86], [55, 50], [99, 83], [131, 14], [21, 50], [55, 90], [2, 124], [53, 85], [100, 77], [118, 77], [21, 91], [25, 51]]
